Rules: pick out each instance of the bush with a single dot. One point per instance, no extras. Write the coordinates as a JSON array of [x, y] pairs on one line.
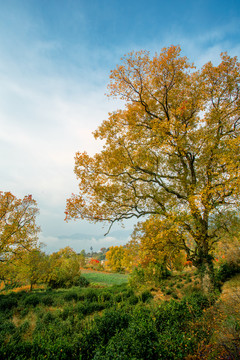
[[48, 318], [226, 271], [47, 300], [71, 296], [137, 341], [146, 296], [81, 281], [7, 302], [153, 273], [104, 297], [91, 295], [6, 327], [87, 308], [32, 300], [133, 300]]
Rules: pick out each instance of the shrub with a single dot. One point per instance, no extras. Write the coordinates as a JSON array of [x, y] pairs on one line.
[[48, 317], [104, 296], [133, 300], [7, 302], [81, 281], [47, 300], [118, 298], [227, 270], [137, 341], [146, 295], [6, 327], [91, 295], [153, 273], [71, 296], [24, 312], [89, 308], [32, 300]]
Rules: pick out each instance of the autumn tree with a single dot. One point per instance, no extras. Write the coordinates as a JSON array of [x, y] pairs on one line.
[[155, 243], [171, 153], [115, 258], [32, 267], [64, 268], [18, 228]]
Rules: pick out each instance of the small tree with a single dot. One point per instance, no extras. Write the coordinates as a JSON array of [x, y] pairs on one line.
[[18, 229], [32, 267], [64, 268], [115, 258]]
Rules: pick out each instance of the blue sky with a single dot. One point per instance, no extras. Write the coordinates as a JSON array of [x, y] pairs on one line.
[[56, 56]]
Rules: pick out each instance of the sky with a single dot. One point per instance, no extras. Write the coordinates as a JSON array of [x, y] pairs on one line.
[[55, 62]]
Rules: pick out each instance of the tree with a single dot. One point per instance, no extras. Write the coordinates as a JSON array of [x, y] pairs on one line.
[[64, 268], [171, 153], [32, 267], [18, 229], [115, 258], [155, 243]]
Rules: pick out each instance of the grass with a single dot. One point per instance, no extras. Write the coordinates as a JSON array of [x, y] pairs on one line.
[[104, 279]]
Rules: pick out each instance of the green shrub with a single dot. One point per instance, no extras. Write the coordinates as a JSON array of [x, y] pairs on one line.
[[81, 281], [32, 300], [118, 298], [146, 296], [88, 308], [154, 273], [175, 295], [91, 295], [227, 270], [71, 296], [104, 296], [24, 312], [133, 300], [47, 300], [6, 327], [112, 321], [7, 302], [137, 341], [48, 317]]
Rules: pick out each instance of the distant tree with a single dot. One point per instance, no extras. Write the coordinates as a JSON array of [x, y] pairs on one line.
[[172, 153], [83, 253], [81, 259], [115, 258]]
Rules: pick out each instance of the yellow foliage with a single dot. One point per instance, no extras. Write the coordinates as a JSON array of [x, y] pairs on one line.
[[172, 153]]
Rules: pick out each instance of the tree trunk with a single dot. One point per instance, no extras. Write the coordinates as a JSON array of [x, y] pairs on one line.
[[207, 276]]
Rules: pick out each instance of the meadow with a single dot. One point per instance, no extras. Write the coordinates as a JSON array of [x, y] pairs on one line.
[[102, 278], [116, 321]]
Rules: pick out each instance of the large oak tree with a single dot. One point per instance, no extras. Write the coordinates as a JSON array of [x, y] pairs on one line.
[[171, 153]]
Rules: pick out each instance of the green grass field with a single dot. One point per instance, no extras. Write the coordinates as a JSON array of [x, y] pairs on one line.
[[105, 278]]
